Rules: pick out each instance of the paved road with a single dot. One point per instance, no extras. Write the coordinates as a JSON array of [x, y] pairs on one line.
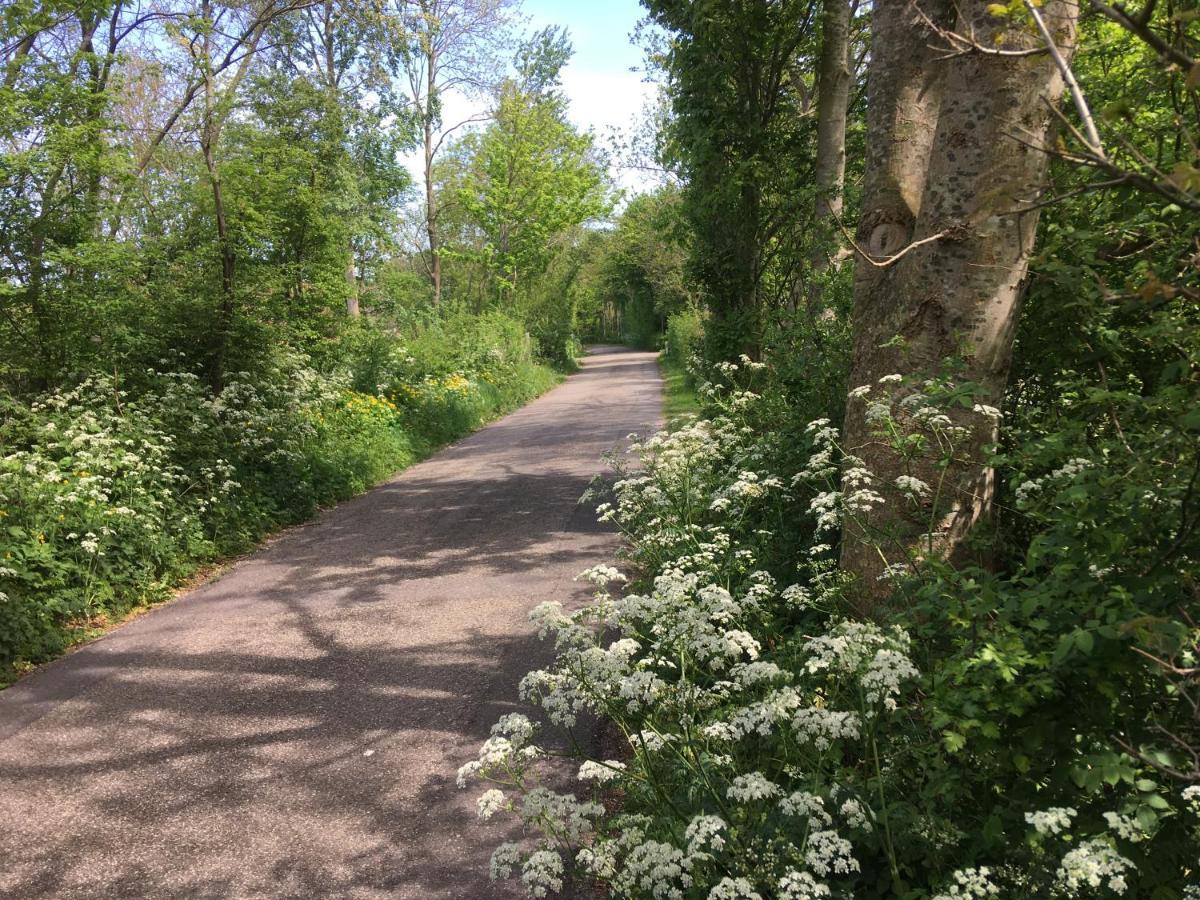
[[293, 728]]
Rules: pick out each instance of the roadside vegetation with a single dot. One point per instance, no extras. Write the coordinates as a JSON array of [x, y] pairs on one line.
[[225, 302], [912, 610]]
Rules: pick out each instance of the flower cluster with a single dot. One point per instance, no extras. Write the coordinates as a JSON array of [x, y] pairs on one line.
[[733, 734], [778, 744]]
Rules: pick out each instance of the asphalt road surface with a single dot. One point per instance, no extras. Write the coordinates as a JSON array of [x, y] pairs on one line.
[[293, 728]]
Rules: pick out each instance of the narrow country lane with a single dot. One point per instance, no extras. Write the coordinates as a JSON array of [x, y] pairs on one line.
[[292, 729]]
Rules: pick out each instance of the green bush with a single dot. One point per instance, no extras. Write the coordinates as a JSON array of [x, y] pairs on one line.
[[114, 490], [639, 323], [685, 336], [1028, 732]]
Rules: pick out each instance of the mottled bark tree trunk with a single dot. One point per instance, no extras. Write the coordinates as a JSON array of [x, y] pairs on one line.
[[948, 156], [833, 97]]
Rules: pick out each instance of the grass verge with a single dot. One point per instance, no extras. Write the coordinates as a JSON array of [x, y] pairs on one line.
[[679, 394]]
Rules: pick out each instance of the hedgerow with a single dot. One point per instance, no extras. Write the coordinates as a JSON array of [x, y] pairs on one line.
[[1016, 732], [115, 489]]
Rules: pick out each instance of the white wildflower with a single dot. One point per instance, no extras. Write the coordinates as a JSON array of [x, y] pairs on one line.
[[802, 886], [542, 873], [504, 859], [1191, 796], [1125, 827], [821, 727], [601, 575], [703, 833], [810, 806], [752, 786], [855, 814], [975, 884], [1094, 864], [827, 853], [885, 672], [911, 487], [654, 868], [601, 772], [733, 889], [490, 803], [1051, 821], [741, 642]]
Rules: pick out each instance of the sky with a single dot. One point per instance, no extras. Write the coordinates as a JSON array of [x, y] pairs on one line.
[[598, 81], [602, 91]]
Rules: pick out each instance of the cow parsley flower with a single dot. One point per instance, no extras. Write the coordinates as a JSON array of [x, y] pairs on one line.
[[752, 786], [705, 833], [802, 886], [658, 869], [1093, 864], [504, 860], [812, 807], [911, 487], [821, 727], [489, 803], [733, 889], [1125, 827], [1191, 796], [542, 873], [974, 884], [827, 853], [881, 681], [599, 772], [1054, 820]]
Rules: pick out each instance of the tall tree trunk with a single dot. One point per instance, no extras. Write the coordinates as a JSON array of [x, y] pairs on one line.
[[333, 98], [833, 97], [952, 167], [225, 309], [209, 132], [352, 305], [431, 213]]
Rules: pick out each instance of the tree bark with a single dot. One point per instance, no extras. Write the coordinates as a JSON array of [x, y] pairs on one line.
[[225, 308], [956, 169], [352, 305], [833, 97], [431, 222]]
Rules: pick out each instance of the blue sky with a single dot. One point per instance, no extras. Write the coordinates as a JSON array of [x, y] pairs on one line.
[[599, 30], [603, 92]]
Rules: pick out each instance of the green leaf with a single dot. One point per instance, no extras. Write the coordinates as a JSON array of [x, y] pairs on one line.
[[953, 741]]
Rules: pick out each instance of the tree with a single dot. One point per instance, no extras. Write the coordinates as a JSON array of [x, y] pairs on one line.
[[533, 175], [454, 46], [741, 137], [834, 77], [56, 147], [950, 209], [348, 51]]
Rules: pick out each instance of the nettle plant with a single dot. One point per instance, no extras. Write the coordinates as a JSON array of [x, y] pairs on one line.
[[778, 746]]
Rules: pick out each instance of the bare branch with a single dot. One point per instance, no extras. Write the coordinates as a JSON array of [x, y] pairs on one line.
[[895, 257], [1081, 105]]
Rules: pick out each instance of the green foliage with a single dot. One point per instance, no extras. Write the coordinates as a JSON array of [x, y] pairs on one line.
[[532, 175], [1038, 734], [685, 337], [740, 84], [114, 490]]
